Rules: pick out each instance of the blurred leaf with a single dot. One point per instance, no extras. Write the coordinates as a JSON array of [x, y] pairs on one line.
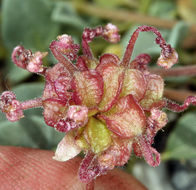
[[13, 134], [28, 91], [182, 142], [65, 13], [2, 117], [163, 9], [187, 10], [178, 34], [28, 22], [29, 132], [15, 74]]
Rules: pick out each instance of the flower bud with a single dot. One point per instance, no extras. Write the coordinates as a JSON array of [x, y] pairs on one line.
[[11, 106], [35, 64], [168, 61], [110, 33]]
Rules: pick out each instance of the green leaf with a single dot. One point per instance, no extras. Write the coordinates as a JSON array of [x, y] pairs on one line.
[[16, 74], [178, 34], [29, 132], [65, 13], [28, 22], [2, 117], [28, 91], [182, 142], [163, 9]]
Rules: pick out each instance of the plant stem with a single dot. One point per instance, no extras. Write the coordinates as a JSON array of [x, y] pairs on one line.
[[174, 72], [31, 103], [127, 16], [178, 95], [172, 106]]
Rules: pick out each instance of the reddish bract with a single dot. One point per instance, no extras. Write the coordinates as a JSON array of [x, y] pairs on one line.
[[134, 83], [87, 88], [113, 79], [126, 119], [117, 155], [54, 110], [89, 168]]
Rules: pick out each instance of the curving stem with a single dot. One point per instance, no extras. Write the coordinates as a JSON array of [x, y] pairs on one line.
[[170, 105], [167, 51], [59, 48], [109, 33], [32, 62]]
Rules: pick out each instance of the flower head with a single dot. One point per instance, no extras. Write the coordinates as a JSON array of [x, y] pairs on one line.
[[106, 106]]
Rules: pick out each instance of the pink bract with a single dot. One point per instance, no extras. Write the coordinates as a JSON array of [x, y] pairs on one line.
[[107, 106]]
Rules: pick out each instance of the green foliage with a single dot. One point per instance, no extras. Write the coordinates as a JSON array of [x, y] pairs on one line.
[[163, 9], [146, 41], [182, 142], [65, 13], [29, 132], [28, 23]]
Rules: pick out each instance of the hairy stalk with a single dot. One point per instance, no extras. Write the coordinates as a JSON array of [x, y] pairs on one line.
[[109, 33], [87, 37], [54, 47], [170, 105], [166, 49], [31, 103]]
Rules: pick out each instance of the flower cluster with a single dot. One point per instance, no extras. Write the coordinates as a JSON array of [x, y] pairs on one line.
[[107, 107]]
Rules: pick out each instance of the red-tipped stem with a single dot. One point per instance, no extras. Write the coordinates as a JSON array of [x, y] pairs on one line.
[[167, 51], [109, 33]]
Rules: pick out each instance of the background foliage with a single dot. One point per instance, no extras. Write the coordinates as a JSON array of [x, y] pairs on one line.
[[35, 23]]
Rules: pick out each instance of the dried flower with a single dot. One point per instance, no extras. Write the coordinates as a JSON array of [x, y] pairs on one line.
[[107, 107]]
